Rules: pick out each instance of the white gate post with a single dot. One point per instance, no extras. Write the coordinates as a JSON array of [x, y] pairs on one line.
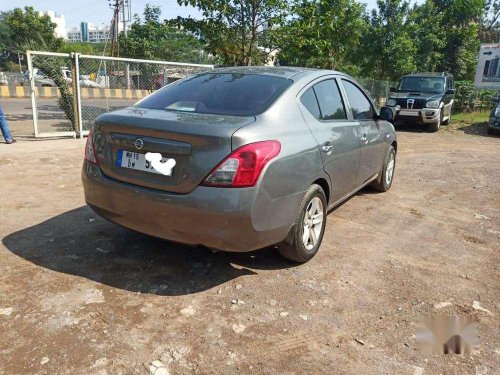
[[32, 92], [78, 94]]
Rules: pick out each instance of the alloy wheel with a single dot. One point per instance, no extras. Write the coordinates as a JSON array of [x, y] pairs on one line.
[[313, 223], [389, 170]]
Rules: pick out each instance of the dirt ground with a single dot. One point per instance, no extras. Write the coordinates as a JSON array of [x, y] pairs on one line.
[[79, 295]]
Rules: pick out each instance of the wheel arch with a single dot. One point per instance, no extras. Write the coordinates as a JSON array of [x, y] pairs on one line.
[[325, 186], [395, 145]]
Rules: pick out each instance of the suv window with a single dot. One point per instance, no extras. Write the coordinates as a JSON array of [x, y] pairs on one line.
[[219, 93], [433, 85], [311, 103], [330, 101], [360, 105]]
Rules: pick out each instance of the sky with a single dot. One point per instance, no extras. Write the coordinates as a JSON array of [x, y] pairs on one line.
[[98, 11]]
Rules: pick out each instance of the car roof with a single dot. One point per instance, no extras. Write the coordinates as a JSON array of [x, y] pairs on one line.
[[430, 74], [290, 72]]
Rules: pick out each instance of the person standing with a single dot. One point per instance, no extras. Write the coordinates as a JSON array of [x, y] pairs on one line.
[[4, 127]]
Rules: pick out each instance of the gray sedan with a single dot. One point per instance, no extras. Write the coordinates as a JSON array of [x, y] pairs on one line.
[[238, 159]]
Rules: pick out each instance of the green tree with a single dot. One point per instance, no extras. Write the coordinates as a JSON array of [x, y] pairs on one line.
[[427, 30], [462, 24], [82, 47], [31, 30], [323, 34], [238, 32], [388, 48], [156, 40], [490, 28], [5, 54]]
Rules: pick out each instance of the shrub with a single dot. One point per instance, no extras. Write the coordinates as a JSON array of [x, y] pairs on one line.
[[469, 99]]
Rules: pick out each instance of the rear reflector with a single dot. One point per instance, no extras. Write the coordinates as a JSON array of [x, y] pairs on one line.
[[89, 148], [243, 167]]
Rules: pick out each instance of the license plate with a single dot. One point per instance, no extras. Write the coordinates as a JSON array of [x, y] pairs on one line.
[[137, 161], [408, 113]]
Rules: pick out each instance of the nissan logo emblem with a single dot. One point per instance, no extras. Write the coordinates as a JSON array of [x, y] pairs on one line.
[[139, 144]]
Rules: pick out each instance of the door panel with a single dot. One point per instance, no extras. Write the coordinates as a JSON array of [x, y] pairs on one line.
[[337, 137], [371, 140], [372, 151]]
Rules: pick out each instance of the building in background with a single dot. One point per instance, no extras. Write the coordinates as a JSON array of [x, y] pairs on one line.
[[74, 35], [88, 32], [60, 22]]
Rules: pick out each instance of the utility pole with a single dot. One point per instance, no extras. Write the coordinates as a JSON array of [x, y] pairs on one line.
[[115, 5], [124, 19], [125, 7]]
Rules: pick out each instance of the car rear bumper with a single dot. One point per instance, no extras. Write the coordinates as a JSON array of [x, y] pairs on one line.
[[419, 116], [225, 219]]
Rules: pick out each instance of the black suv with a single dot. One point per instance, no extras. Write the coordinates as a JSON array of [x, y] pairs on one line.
[[423, 98]]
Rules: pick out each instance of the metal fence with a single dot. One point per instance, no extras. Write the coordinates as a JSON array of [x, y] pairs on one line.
[[68, 91], [378, 90]]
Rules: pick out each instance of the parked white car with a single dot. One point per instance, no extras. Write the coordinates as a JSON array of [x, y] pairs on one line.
[[42, 80]]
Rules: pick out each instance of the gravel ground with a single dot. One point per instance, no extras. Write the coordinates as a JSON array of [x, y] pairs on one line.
[[79, 295]]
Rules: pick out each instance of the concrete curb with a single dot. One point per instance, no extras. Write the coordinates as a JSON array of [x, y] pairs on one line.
[[87, 93]]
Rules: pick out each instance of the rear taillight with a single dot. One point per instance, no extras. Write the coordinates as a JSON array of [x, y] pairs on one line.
[[242, 168], [89, 148]]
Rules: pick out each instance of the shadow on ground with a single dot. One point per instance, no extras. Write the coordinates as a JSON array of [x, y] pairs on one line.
[[81, 244], [476, 128]]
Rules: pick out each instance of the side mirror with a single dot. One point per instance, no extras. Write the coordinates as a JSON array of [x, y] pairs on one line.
[[386, 114], [393, 89], [450, 92]]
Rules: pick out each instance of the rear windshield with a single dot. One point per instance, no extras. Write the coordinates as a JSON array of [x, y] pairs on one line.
[[433, 85], [220, 94]]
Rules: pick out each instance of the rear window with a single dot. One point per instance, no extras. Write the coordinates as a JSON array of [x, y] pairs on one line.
[[220, 94]]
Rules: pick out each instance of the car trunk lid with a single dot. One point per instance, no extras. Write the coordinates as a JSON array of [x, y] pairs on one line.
[[197, 142]]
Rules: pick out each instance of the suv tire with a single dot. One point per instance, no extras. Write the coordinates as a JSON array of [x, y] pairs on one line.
[[435, 126], [307, 233]]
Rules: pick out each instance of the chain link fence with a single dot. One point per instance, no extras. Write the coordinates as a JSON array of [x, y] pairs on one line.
[[68, 91], [378, 90]]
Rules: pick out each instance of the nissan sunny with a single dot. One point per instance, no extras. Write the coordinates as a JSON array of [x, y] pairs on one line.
[[238, 159]]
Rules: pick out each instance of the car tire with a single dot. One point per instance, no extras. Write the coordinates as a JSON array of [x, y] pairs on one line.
[[300, 245], [491, 131], [384, 182]]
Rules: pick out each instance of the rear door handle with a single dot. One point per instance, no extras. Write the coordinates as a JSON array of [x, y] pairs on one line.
[[327, 148]]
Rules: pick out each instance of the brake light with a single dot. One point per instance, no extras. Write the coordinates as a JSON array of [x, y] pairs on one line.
[[89, 148], [243, 166]]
